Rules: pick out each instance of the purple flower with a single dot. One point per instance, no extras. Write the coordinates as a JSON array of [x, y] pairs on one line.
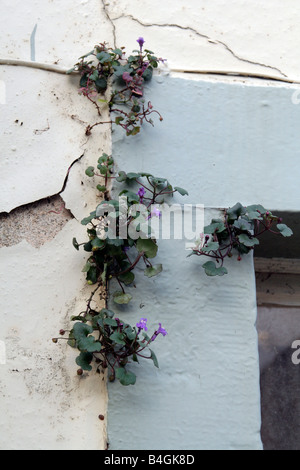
[[142, 325], [156, 212], [158, 331], [141, 193], [141, 42]]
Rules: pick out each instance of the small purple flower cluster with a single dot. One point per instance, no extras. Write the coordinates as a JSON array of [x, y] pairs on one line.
[[141, 193], [142, 325]]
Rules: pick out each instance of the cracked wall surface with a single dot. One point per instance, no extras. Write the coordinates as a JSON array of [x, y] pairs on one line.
[[45, 194], [247, 36]]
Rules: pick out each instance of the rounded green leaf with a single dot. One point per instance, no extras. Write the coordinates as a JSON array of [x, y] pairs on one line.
[[247, 241], [90, 171], [147, 246], [152, 271], [181, 191], [84, 361], [284, 230], [121, 299], [125, 377], [212, 270]]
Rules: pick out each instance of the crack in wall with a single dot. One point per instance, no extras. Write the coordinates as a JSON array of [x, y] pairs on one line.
[[197, 33], [104, 7], [37, 222]]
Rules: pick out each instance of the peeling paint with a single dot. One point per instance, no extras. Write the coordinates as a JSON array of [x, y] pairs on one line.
[[37, 223]]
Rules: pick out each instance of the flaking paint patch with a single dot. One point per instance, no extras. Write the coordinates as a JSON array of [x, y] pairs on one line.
[[37, 223]]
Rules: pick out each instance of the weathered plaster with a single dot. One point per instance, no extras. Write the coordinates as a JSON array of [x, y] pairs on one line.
[[44, 121], [44, 404], [37, 223], [65, 30], [212, 36]]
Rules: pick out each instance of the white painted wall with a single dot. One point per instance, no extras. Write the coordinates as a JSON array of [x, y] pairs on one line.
[[239, 120]]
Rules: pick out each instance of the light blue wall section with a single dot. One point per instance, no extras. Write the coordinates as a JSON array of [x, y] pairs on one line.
[[224, 143]]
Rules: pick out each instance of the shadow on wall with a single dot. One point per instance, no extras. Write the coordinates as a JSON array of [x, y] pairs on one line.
[[280, 403], [278, 247]]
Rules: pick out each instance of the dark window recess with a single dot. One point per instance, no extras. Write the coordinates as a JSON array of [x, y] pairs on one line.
[[277, 266]]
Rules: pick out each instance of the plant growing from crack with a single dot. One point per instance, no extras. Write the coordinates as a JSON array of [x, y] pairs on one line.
[[238, 231], [110, 343], [111, 79], [117, 241], [120, 233]]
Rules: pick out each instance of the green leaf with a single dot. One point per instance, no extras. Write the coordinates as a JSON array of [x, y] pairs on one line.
[[121, 299], [131, 196], [83, 81], [101, 84], [87, 220], [119, 119], [90, 171], [154, 358], [242, 224], [108, 313], [214, 227], [236, 211], [284, 230], [181, 191], [256, 208], [212, 270], [81, 332], [88, 246], [84, 360], [104, 57], [75, 244], [147, 246], [92, 275], [130, 333], [135, 130], [152, 271], [86, 267], [97, 244], [211, 246], [118, 337], [159, 181], [101, 188], [254, 215], [110, 322], [125, 377], [135, 358], [247, 241], [147, 75], [133, 176], [118, 52], [122, 177], [120, 69], [127, 278]]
